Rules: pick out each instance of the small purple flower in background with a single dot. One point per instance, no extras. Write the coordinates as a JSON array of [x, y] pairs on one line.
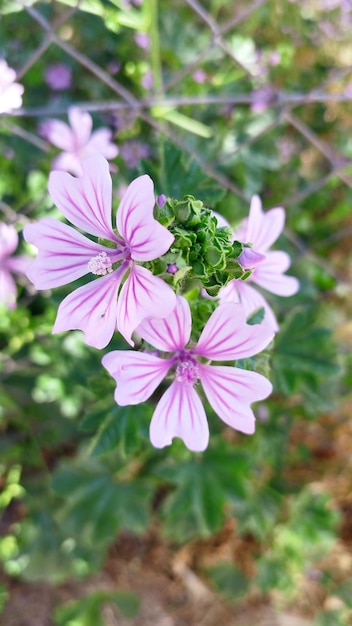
[[10, 91], [147, 80], [9, 264], [58, 76], [77, 141], [229, 390], [161, 200], [199, 76], [113, 66], [133, 151], [66, 255], [262, 98], [261, 230], [142, 40]]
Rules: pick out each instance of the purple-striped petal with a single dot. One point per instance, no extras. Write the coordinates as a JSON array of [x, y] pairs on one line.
[[146, 238], [92, 309], [171, 333], [227, 337], [263, 228], [137, 374], [269, 274], [230, 391], [63, 253], [8, 291], [85, 201], [251, 300], [180, 413], [142, 295]]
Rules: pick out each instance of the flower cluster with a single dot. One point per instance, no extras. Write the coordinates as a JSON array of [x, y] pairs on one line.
[[144, 272]]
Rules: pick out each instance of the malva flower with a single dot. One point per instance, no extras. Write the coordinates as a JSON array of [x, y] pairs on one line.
[[9, 264], [77, 141], [66, 255], [58, 76], [260, 230], [229, 390], [10, 91]]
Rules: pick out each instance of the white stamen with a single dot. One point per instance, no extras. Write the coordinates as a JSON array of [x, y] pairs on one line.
[[100, 264]]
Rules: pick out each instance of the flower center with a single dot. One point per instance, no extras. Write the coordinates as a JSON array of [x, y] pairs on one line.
[[187, 371], [100, 264]]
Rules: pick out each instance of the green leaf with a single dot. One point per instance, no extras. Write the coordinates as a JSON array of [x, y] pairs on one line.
[[229, 580]]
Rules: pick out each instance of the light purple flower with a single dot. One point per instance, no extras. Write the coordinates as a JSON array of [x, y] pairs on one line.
[[229, 390], [66, 255], [9, 264], [77, 141], [10, 91], [58, 76], [261, 230], [142, 40]]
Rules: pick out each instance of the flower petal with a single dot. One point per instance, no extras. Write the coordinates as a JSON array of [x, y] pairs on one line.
[[227, 337], [180, 413], [269, 274], [100, 141], [231, 390], [81, 123], [143, 295], [8, 290], [137, 374], [92, 309], [8, 239], [264, 228], [171, 333], [58, 133], [67, 162], [251, 300], [146, 238], [63, 253], [85, 201], [18, 264]]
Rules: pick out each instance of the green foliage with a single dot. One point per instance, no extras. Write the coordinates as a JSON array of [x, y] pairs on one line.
[[87, 610]]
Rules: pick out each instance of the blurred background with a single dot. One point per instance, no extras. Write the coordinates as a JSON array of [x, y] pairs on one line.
[[221, 100]]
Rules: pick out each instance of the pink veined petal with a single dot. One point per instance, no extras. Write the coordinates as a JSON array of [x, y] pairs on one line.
[[180, 413], [67, 162], [59, 134], [142, 295], [264, 228], [251, 300], [63, 253], [8, 239], [171, 333], [137, 374], [81, 124], [230, 391], [269, 275], [92, 309], [227, 337], [8, 290], [146, 238], [86, 201], [100, 141]]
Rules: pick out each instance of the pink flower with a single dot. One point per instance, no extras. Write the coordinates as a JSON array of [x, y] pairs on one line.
[[9, 264], [261, 230], [58, 76], [10, 91], [77, 141], [65, 254], [229, 390]]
